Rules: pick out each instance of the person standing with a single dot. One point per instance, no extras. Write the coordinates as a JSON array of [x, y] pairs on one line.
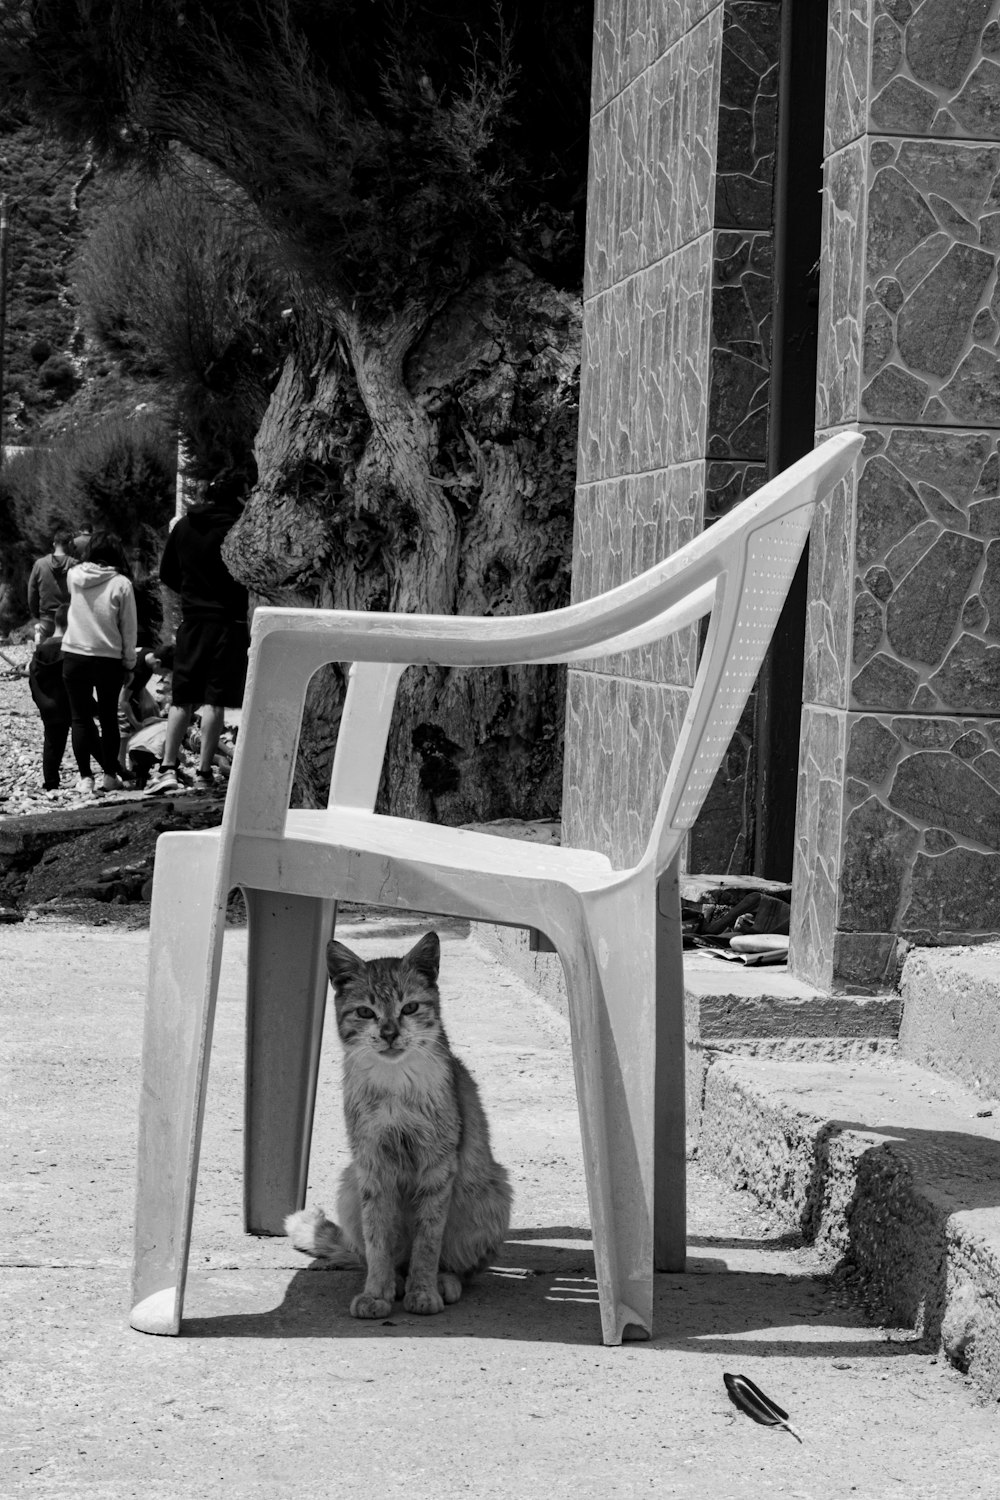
[[45, 683], [210, 652], [47, 586], [99, 650]]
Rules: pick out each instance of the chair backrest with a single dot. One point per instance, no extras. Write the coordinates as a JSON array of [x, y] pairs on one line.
[[740, 569], [762, 542]]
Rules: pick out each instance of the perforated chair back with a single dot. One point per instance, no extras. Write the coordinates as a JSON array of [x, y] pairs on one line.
[[757, 565]]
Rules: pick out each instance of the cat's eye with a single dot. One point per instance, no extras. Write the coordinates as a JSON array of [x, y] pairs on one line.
[[363, 1013], [409, 1008]]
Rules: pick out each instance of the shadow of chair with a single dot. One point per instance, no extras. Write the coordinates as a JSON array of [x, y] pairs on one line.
[[617, 931]]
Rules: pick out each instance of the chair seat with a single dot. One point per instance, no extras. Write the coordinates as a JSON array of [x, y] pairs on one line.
[[365, 856]]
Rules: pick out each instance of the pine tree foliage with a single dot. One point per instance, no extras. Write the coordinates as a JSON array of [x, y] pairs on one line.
[[179, 283], [396, 147]]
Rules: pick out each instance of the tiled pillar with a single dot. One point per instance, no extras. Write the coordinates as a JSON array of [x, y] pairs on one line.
[[898, 824], [676, 355]]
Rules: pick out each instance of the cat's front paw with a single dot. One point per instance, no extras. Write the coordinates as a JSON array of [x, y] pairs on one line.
[[423, 1299], [450, 1286], [365, 1305]]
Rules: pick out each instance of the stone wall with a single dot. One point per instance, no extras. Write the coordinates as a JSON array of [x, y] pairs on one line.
[[898, 823], [677, 310]]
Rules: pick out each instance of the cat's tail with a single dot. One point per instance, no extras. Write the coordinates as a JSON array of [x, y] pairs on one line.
[[314, 1234]]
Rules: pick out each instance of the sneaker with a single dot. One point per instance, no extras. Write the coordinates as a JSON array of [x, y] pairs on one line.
[[113, 784], [204, 781], [163, 779], [85, 786]]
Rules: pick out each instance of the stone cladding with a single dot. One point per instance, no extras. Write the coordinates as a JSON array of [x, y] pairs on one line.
[[898, 827], [674, 381]]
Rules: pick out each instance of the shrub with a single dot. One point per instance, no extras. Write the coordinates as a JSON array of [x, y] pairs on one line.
[[119, 472], [57, 374], [179, 284]]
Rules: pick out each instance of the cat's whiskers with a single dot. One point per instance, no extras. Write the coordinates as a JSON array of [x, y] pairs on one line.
[[419, 1068]]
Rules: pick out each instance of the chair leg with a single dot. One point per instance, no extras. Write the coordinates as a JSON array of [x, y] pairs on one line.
[[286, 1000], [185, 949], [669, 1132], [610, 976]]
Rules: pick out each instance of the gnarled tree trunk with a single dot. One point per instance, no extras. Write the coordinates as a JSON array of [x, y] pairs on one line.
[[430, 468]]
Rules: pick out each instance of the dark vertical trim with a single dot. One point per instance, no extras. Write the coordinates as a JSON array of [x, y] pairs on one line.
[[670, 1061], [798, 224], [4, 232]]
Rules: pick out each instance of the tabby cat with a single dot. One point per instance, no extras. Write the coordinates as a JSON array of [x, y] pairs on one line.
[[423, 1200]]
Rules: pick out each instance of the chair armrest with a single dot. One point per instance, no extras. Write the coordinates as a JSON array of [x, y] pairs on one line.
[[665, 597], [636, 612], [564, 635]]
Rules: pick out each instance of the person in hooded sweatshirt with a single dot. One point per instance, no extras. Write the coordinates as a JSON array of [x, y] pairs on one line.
[[47, 586], [98, 650]]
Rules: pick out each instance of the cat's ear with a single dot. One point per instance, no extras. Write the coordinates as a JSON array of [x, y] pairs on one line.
[[426, 957], [342, 964]]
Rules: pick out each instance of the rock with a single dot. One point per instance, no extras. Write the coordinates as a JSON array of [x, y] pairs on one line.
[[898, 217], [927, 605], [871, 751], [116, 841], [935, 320], [877, 849], [942, 39], [973, 393], [960, 1325], [888, 508], [94, 890], [938, 788], [885, 684], [894, 396]]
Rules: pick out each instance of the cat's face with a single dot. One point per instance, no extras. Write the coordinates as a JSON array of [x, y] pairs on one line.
[[388, 1006]]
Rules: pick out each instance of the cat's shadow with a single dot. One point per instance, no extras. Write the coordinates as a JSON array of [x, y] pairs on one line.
[[542, 1289]]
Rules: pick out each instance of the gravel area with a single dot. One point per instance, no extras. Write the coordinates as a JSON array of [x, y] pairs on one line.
[[21, 732], [21, 744], [67, 854]]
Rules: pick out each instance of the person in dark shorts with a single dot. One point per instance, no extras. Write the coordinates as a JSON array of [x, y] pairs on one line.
[[45, 683], [210, 651]]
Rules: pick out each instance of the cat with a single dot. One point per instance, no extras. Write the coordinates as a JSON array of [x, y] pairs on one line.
[[423, 1202]]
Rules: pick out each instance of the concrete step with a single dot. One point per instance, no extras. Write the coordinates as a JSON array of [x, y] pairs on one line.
[[951, 1013], [890, 1170], [728, 1001]]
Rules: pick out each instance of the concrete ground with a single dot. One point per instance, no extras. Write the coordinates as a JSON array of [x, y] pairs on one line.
[[274, 1390]]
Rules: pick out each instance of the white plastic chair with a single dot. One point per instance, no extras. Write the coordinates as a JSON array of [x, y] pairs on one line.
[[619, 944]]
